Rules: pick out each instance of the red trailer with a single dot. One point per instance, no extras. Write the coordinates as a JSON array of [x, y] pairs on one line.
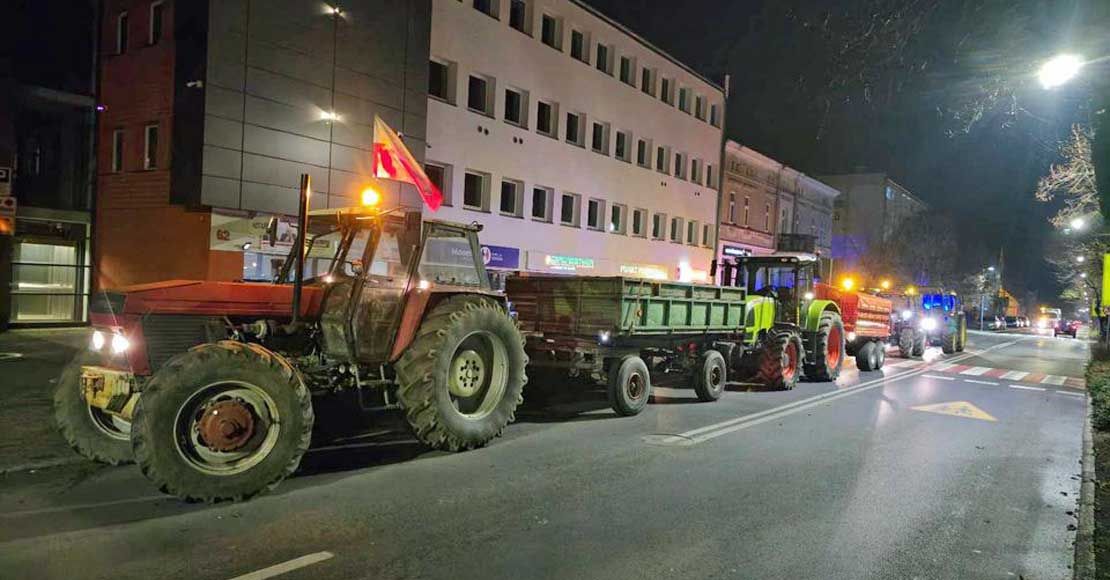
[[867, 322]]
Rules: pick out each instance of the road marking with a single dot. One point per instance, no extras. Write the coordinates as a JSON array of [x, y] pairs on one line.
[[980, 382], [1056, 380], [1072, 394], [282, 568], [956, 409], [708, 432], [5, 356], [975, 371], [1025, 388], [939, 377], [1014, 375]]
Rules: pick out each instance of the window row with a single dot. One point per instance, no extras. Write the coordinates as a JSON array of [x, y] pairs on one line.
[[544, 204], [731, 216], [603, 56], [149, 158], [153, 30], [575, 128]]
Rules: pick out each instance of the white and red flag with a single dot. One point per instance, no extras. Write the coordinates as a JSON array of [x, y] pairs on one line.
[[392, 160]]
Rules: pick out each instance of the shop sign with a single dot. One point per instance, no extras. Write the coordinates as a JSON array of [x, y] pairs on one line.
[[501, 257], [568, 263], [736, 251], [644, 271]]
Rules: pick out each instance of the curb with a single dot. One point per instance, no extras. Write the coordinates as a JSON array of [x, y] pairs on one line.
[[44, 464], [1084, 568]]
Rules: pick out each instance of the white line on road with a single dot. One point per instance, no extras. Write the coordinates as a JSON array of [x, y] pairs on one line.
[[975, 371], [1072, 394], [282, 568], [980, 382], [1014, 375], [1025, 388], [941, 377], [702, 434], [1056, 380]]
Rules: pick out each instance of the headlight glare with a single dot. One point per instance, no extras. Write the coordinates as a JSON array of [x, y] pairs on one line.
[[928, 324], [120, 344], [98, 340], [907, 314]]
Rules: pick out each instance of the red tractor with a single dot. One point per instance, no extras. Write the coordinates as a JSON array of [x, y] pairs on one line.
[[213, 388]]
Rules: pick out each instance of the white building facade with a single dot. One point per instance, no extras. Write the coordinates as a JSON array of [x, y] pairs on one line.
[[579, 146]]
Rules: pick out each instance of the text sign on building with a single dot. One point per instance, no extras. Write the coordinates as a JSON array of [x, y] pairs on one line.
[[736, 251], [501, 257], [568, 263], [644, 271]]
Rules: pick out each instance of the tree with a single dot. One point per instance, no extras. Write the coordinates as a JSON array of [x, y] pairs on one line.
[[921, 251], [1072, 180]]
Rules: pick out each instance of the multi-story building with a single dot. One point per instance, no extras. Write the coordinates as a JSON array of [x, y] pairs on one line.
[[869, 211], [47, 116], [212, 109], [578, 144]]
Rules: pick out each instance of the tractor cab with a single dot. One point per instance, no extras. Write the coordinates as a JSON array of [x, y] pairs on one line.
[[787, 278]]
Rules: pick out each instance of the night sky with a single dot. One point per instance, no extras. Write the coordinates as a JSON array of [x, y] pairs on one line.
[[940, 94]]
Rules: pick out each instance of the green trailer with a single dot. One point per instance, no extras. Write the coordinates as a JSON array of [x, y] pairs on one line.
[[618, 330]]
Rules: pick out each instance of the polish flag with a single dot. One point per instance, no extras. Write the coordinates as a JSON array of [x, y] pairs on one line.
[[392, 160]]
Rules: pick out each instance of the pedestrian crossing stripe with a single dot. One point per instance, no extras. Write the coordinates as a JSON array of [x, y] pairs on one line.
[[957, 409]]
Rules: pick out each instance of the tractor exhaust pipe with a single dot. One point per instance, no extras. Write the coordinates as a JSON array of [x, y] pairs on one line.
[[302, 235]]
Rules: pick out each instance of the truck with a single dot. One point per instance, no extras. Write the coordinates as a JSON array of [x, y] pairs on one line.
[[928, 318], [214, 388]]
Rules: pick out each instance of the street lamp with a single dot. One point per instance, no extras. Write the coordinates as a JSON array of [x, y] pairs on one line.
[[1077, 223], [990, 268], [1059, 70], [1082, 274], [1080, 259]]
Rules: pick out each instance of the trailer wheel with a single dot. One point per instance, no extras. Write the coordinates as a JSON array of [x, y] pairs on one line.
[[920, 339], [92, 433], [629, 386], [462, 379], [880, 355], [711, 376], [223, 421], [906, 342], [780, 361], [829, 342], [866, 357]]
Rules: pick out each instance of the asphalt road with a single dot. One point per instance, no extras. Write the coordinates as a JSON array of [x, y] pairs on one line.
[[852, 479]]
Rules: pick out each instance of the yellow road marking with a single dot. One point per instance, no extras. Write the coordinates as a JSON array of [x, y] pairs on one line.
[[956, 409]]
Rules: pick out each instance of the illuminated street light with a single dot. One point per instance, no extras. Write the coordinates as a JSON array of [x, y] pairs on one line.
[[1080, 259], [990, 268], [1077, 223], [1059, 70], [1083, 275], [848, 283], [885, 284]]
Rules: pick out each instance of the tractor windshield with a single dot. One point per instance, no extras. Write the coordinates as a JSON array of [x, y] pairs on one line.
[[330, 249]]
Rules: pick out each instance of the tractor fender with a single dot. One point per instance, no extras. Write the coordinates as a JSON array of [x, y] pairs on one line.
[[418, 302], [759, 317], [814, 311]]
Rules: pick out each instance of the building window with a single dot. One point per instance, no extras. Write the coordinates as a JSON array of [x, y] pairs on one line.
[[692, 233], [638, 222], [475, 187], [516, 103], [518, 16], [665, 94], [541, 203], [713, 120], [676, 230], [440, 176], [695, 171], [647, 81], [150, 147], [623, 151], [626, 71], [684, 100], [578, 46], [642, 155], [662, 160], [732, 207], [679, 166], [595, 208], [487, 7], [568, 210], [511, 199], [616, 218], [155, 34], [603, 64], [706, 236], [699, 107], [546, 118], [478, 95], [599, 140], [117, 151], [439, 81], [121, 33], [575, 124], [709, 180], [747, 208], [549, 32], [658, 222]]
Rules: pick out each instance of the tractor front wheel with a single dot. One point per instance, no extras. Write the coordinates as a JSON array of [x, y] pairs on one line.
[[906, 342], [91, 432], [829, 344], [920, 342], [950, 342], [462, 378], [780, 361], [222, 421]]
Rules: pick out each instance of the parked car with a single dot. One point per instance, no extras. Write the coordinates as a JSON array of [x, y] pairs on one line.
[[992, 322], [1011, 321], [1023, 321], [1070, 328]]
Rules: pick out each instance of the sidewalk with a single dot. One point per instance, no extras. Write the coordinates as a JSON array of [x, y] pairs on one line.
[[30, 363]]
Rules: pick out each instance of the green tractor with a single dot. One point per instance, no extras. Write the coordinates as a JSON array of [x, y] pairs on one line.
[[930, 319]]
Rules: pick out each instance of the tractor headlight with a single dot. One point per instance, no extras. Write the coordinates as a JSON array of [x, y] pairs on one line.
[[98, 341], [928, 324], [907, 314], [120, 344], [603, 337], [851, 336], [808, 296]]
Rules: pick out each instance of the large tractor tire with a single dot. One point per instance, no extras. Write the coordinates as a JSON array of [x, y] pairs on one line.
[[92, 433], [906, 342], [950, 342], [920, 342], [710, 376], [962, 339], [829, 343], [462, 378], [223, 421], [629, 385], [780, 361]]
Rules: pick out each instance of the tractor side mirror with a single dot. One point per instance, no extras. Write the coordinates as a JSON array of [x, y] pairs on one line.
[[271, 231]]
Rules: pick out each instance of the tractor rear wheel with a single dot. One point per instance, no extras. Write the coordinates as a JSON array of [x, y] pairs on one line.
[[829, 343], [629, 386], [780, 361], [92, 433], [710, 376], [223, 421], [906, 342], [462, 378], [949, 343]]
